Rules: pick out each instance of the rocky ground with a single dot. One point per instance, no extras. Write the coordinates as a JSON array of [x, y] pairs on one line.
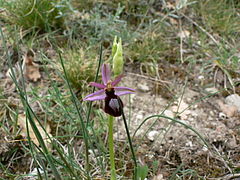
[[170, 147], [214, 115]]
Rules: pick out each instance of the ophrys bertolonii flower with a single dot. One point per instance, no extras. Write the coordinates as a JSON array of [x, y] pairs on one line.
[[109, 92]]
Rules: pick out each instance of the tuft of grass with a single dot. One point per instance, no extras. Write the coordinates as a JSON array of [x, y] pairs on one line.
[[36, 15], [157, 43], [219, 16], [227, 58], [151, 47], [80, 65], [218, 36]]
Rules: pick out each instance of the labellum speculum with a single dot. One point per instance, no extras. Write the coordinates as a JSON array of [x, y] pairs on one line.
[[113, 103]]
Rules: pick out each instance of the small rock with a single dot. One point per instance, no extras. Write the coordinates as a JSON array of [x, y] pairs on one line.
[[183, 34], [139, 117], [152, 135], [189, 144], [233, 99], [201, 77], [205, 148], [143, 87], [211, 113], [51, 53], [232, 143], [169, 113], [221, 115], [227, 110], [160, 101], [180, 107], [1, 75], [158, 177], [182, 110], [189, 94], [211, 90], [199, 42], [35, 172]]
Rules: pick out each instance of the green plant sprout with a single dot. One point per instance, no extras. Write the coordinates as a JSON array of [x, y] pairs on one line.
[[113, 104], [110, 94]]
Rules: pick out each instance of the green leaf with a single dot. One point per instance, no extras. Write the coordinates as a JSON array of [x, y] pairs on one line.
[[142, 172]]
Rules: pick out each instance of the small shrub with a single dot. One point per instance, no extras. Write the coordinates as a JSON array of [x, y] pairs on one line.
[[100, 24]]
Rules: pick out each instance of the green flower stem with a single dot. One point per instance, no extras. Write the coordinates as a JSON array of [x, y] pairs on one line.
[[111, 147]]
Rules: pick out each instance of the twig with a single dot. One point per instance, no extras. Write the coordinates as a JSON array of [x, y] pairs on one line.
[[150, 78], [227, 177], [221, 159], [181, 41]]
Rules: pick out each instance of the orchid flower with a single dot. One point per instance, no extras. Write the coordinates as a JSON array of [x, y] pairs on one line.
[[109, 92]]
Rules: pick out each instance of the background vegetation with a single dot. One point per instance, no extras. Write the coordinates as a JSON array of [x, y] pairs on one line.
[[155, 36]]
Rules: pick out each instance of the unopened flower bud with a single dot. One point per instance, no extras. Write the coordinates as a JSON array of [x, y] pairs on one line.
[[118, 59]]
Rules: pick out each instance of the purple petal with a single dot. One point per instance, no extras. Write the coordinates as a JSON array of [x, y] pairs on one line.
[[100, 86], [119, 91], [106, 73], [96, 98], [124, 89], [99, 95], [117, 80]]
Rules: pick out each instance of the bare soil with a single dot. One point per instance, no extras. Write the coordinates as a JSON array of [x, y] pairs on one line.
[[168, 147], [178, 149]]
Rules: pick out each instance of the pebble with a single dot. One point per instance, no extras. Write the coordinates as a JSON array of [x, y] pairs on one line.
[[221, 115], [228, 110], [158, 177], [201, 77], [189, 144], [233, 99], [1, 75], [211, 90], [139, 117], [169, 113], [152, 135], [143, 87]]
